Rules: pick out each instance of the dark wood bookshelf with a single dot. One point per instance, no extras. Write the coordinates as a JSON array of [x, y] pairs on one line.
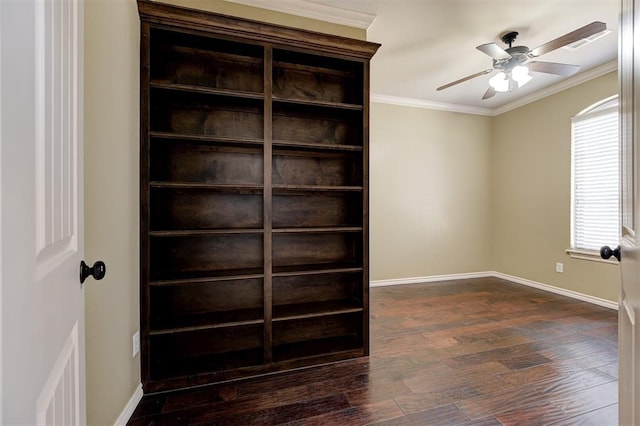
[[254, 194]]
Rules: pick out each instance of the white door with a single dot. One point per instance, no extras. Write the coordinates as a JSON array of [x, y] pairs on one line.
[[629, 302], [41, 228]]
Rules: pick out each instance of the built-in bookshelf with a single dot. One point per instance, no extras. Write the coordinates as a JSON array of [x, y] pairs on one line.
[[254, 197]]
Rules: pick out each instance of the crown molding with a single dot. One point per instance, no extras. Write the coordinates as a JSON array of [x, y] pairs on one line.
[[548, 91], [308, 9], [421, 103]]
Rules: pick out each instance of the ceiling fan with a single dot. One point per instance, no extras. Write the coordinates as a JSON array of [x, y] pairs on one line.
[[512, 66]]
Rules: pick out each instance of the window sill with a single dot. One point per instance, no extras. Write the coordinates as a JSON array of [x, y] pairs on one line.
[[591, 255]]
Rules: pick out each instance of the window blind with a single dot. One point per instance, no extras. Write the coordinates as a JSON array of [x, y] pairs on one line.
[[596, 177]]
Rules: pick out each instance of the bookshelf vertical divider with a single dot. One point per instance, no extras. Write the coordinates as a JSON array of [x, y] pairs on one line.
[[268, 207]]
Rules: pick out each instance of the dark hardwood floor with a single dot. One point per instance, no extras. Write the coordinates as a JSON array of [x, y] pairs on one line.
[[472, 352]]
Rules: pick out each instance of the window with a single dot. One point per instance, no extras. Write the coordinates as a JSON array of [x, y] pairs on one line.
[[595, 152]]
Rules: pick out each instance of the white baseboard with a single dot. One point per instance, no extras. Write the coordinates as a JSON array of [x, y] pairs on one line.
[[564, 292], [126, 413], [546, 287], [430, 279]]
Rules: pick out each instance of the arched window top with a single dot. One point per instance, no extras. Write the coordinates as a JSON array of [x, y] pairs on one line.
[[604, 106]]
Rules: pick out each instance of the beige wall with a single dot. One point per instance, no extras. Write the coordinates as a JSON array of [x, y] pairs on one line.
[[111, 204], [531, 184], [430, 192], [111, 189]]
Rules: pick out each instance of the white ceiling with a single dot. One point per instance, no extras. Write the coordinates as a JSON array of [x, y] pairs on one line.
[[428, 43]]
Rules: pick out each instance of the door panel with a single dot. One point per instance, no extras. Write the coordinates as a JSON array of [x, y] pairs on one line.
[[56, 134], [59, 401], [42, 313]]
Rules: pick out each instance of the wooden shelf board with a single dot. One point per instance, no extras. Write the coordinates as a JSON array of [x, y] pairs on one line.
[[203, 185], [324, 104], [290, 271], [204, 280], [207, 138], [315, 146], [315, 348], [295, 273], [207, 276], [203, 232], [300, 270], [315, 188], [207, 321], [312, 68], [316, 309], [189, 88], [317, 230], [231, 57]]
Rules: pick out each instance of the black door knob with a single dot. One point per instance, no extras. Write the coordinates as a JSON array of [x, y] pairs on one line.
[[606, 252], [98, 270]]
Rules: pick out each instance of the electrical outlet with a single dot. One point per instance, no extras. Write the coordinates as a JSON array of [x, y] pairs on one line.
[[136, 343], [559, 267]]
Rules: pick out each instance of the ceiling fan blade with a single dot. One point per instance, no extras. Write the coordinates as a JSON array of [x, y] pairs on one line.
[[493, 50], [469, 77], [490, 93], [553, 68], [572, 37]]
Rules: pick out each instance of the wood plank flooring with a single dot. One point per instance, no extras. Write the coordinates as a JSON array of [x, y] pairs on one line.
[[471, 352]]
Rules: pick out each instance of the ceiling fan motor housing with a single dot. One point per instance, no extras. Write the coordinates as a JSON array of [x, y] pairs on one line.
[[519, 55]]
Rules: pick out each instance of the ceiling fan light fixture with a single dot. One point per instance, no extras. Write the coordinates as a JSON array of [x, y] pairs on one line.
[[500, 82], [521, 75]]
